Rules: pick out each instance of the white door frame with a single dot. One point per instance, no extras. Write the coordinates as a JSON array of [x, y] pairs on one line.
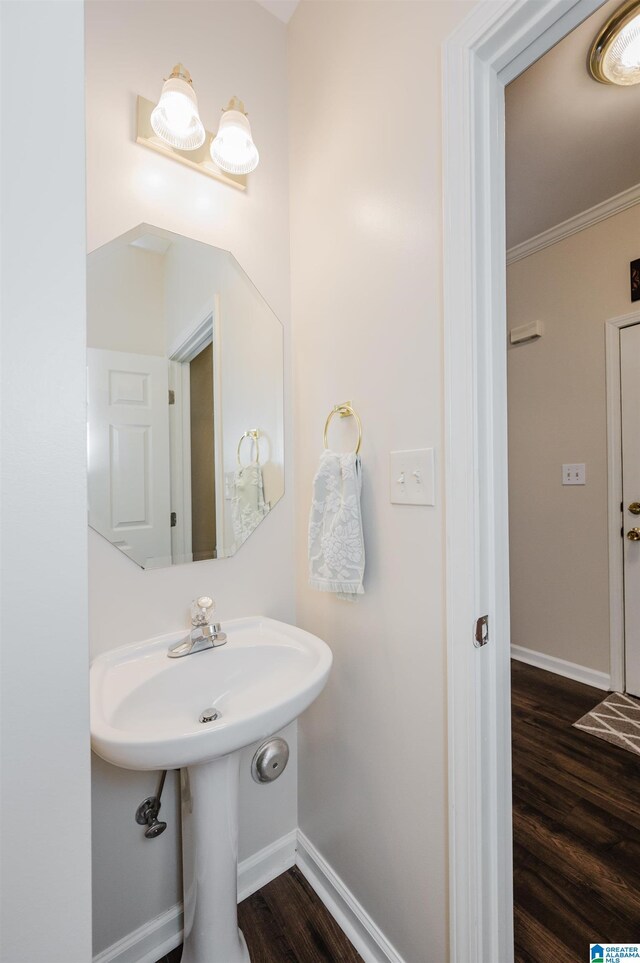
[[613, 326], [491, 47], [204, 330], [185, 349]]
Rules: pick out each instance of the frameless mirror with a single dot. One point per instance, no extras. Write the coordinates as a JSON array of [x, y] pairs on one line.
[[185, 399]]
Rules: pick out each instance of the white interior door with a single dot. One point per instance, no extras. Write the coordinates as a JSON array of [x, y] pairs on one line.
[[630, 393], [129, 476]]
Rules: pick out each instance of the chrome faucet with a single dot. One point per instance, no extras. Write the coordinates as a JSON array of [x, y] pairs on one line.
[[204, 634]]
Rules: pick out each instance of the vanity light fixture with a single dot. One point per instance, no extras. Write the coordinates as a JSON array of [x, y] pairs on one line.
[[173, 127], [233, 149], [614, 57], [175, 118]]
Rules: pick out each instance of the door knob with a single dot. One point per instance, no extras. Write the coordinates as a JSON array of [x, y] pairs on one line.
[[634, 534], [634, 508]]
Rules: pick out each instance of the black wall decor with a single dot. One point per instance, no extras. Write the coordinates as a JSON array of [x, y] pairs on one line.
[[635, 280]]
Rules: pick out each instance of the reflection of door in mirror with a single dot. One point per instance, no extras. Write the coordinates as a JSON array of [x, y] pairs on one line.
[[203, 497], [128, 453]]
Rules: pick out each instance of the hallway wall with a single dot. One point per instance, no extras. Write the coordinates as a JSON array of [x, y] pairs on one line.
[[557, 415]]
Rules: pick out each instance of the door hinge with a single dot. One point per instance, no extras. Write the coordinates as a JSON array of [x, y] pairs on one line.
[[481, 635], [174, 519], [172, 396]]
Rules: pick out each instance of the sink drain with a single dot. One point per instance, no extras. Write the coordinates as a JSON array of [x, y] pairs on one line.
[[209, 715]]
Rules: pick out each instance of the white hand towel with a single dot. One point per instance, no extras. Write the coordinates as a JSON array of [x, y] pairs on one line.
[[248, 506], [336, 542]]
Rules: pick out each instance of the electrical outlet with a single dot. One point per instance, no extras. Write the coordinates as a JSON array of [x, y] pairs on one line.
[[574, 475]]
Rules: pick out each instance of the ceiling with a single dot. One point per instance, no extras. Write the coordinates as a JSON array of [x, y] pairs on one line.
[[282, 9], [571, 142]]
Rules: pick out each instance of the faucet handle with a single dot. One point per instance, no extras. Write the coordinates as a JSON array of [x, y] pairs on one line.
[[201, 610]]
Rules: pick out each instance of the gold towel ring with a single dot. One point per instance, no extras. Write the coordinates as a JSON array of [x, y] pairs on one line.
[[254, 434], [344, 411]]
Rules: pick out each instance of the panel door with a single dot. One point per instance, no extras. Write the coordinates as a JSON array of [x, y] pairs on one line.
[[129, 477]]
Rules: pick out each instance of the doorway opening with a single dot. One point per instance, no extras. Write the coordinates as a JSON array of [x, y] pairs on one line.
[[490, 50], [573, 367]]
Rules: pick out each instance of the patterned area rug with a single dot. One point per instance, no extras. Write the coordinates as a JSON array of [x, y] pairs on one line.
[[615, 720]]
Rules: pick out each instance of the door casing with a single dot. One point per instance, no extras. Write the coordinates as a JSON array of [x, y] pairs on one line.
[[493, 45]]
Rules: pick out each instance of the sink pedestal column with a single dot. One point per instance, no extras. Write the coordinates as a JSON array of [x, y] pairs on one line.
[[210, 862]]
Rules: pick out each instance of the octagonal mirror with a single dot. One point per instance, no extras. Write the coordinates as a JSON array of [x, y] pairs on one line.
[[185, 399]]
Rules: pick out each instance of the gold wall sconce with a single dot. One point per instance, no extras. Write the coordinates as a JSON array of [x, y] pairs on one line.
[[173, 127]]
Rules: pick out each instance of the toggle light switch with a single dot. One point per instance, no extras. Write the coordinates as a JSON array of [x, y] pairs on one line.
[[574, 474], [412, 477]]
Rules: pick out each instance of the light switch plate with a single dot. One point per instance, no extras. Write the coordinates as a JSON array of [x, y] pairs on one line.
[[574, 474], [412, 477]]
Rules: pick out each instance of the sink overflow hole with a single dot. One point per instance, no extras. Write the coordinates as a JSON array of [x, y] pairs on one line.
[[210, 715]]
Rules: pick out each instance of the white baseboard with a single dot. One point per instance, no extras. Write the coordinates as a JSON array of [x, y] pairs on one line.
[[369, 941], [159, 936], [580, 673], [149, 942], [260, 869]]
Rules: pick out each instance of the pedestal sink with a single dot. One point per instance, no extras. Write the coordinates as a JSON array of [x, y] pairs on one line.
[[145, 712]]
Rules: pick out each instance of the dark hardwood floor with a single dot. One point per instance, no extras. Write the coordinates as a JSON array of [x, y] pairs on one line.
[[285, 922], [576, 824]]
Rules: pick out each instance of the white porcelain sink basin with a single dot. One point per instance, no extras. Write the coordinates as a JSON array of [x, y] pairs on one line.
[[145, 714], [145, 707]]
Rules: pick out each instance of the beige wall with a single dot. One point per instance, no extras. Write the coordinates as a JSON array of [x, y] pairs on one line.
[[251, 338], [230, 48], [250, 346], [366, 242], [557, 414], [194, 273], [127, 314]]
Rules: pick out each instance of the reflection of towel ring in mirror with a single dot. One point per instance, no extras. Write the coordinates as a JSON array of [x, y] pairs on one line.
[[254, 434], [344, 410]]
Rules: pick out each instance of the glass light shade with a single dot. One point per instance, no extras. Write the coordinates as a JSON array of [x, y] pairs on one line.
[[615, 54], [621, 60], [233, 149], [175, 119]]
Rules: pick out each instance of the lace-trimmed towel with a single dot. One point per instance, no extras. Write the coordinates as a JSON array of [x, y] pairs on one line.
[[336, 543]]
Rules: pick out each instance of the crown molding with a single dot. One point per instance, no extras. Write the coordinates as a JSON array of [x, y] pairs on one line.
[[614, 205]]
